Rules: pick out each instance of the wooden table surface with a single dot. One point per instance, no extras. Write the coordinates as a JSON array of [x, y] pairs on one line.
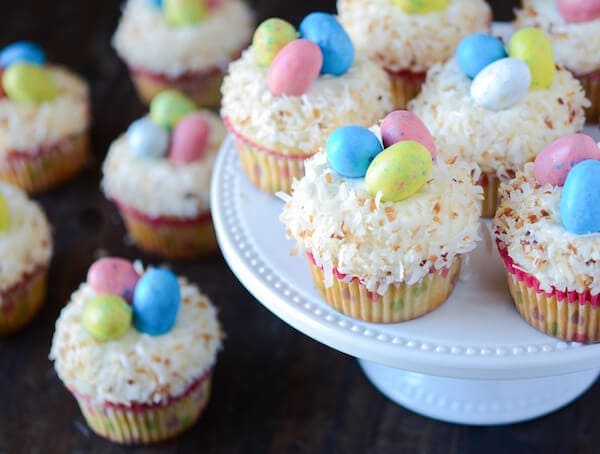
[[275, 390]]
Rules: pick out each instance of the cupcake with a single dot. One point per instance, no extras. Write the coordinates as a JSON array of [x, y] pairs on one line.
[[285, 96], [384, 230], [136, 349], [407, 37], [158, 175], [44, 120], [548, 232], [25, 250], [184, 46], [574, 30], [498, 108]]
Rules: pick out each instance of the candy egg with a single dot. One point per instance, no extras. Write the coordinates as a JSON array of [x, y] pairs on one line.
[[351, 149], [24, 82], [335, 44], [147, 139], [556, 160], [106, 317], [580, 198], [476, 51], [113, 276], [270, 37], [399, 171], [402, 125], [4, 214], [170, 106], [501, 84], [2, 93], [22, 51], [421, 6], [579, 10], [190, 139], [183, 13], [156, 302], [157, 3], [533, 47], [295, 68]]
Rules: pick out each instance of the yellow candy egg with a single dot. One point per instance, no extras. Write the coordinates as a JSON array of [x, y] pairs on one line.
[[4, 214], [421, 6], [270, 37], [399, 171], [533, 47], [170, 106], [106, 317], [183, 13], [26, 82]]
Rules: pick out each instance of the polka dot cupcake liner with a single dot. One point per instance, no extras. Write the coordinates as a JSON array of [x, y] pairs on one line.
[[591, 86], [490, 183], [406, 86]]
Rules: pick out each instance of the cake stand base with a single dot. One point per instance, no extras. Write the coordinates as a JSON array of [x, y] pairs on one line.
[[478, 402]]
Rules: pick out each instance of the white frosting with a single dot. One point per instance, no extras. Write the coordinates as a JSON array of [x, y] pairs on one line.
[[576, 45], [528, 224], [401, 41], [301, 124], [155, 186], [27, 244], [138, 368], [27, 126], [344, 227], [498, 141], [144, 39]]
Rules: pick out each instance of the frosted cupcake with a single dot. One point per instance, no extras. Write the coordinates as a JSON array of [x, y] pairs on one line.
[[25, 250], [500, 109], [158, 174], [44, 120], [574, 30], [407, 37], [548, 233], [285, 96], [136, 349], [384, 231], [182, 45]]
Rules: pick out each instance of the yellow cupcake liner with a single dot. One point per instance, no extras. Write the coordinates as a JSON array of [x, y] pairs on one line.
[[490, 183], [400, 303], [20, 304], [591, 85], [405, 86]]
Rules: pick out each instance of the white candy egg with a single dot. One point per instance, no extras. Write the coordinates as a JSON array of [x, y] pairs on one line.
[[501, 84], [147, 139]]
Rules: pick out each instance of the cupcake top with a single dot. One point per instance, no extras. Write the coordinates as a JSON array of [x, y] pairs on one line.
[[163, 40], [25, 237], [174, 155], [405, 35], [395, 217], [40, 104], [147, 351], [573, 30]]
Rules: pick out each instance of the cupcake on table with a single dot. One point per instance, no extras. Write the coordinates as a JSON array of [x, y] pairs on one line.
[[291, 89], [383, 222], [498, 107], [548, 232], [44, 119], [407, 37], [25, 251], [136, 349], [158, 174], [182, 44], [573, 27]]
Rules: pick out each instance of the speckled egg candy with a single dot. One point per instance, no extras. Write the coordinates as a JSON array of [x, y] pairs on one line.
[[4, 215], [156, 302], [170, 106], [146, 139], [22, 51], [576, 11], [402, 125], [501, 84], [25, 82], [270, 37], [532, 46], [115, 276], [295, 68], [478, 50], [351, 149], [183, 13], [421, 6], [190, 139], [106, 317], [580, 199]]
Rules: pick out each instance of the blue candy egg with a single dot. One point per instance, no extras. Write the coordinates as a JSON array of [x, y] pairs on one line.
[[351, 149], [23, 51], [157, 3], [476, 51], [147, 139], [156, 302], [338, 51], [580, 198]]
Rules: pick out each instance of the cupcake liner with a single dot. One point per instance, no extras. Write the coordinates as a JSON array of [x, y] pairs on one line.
[[406, 86], [169, 237], [146, 423], [20, 303], [47, 167], [591, 85], [490, 183], [400, 302], [268, 170]]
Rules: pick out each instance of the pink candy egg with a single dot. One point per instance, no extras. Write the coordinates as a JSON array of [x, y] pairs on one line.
[[579, 10], [189, 141], [113, 276], [295, 68], [213, 4], [402, 125], [553, 164]]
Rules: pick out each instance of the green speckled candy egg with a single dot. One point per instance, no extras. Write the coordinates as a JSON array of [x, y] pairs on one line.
[[4, 215], [421, 6], [26, 82], [183, 13], [170, 106], [399, 171], [106, 317], [270, 37], [533, 47]]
